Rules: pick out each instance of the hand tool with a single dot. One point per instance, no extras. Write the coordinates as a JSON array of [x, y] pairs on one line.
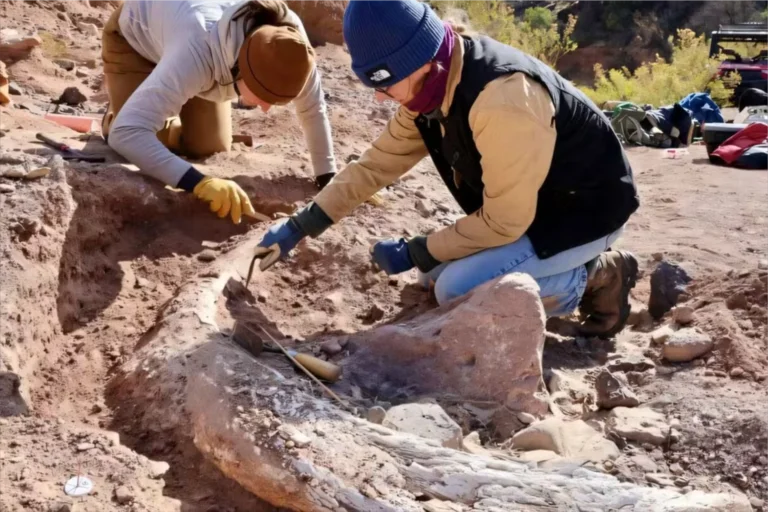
[[67, 152], [267, 255], [252, 342]]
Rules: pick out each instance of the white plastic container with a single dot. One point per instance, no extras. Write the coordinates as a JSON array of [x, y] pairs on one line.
[[675, 153]]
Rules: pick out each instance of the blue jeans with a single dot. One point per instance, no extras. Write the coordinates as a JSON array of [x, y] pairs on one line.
[[562, 278]]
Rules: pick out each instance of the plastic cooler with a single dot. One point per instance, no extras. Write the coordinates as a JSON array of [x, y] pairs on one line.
[[717, 133]]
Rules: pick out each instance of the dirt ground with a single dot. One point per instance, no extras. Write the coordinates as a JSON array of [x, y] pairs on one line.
[[92, 253]]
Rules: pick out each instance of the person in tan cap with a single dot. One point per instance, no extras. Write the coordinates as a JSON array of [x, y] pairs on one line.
[[172, 69]]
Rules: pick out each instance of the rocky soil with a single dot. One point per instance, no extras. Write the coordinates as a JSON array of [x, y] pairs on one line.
[[97, 261]]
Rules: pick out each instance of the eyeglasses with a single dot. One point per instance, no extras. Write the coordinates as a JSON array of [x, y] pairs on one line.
[[384, 91]]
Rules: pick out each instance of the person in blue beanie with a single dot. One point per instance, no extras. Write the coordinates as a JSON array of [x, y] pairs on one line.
[[534, 164]]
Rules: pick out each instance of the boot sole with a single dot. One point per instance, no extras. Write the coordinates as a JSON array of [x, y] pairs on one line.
[[629, 273]]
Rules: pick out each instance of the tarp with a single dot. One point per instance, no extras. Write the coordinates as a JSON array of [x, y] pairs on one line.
[[733, 148], [702, 108]]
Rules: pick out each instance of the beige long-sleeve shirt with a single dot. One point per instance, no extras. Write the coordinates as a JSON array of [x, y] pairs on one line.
[[511, 122]]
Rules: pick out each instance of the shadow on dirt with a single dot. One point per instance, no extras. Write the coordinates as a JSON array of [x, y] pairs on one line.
[[120, 217]]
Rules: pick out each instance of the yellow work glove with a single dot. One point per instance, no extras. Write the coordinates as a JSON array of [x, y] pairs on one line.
[[225, 196]]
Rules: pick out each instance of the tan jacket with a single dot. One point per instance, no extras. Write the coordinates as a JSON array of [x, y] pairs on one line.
[[511, 123]]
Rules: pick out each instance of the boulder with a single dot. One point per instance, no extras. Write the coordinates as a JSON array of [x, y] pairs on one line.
[[566, 438], [613, 391], [426, 420], [640, 424], [668, 281], [486, 345], [685, 345], [15, 47]]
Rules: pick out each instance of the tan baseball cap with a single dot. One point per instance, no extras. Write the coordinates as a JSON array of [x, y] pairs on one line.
[[275, 63]]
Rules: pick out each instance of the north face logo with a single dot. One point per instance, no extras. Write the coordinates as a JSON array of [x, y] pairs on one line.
[[378, 75]]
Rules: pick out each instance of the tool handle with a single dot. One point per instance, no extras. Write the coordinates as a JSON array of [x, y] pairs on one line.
[[319, 368], [52, 143]]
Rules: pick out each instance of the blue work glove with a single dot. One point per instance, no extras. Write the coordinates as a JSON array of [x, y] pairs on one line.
[[392, 256], [286, 234]]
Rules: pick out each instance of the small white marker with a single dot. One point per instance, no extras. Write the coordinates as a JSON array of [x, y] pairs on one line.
[[78, 486]]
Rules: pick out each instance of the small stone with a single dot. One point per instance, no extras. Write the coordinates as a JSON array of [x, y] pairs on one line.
[[686, 345], [292, 434], [142, 283], [657, 256], [72, 96], [676, 469], [89, 29], [423, 209], [6, 188], [65, 64], [661, 335], [737, 372], [681, 482], [60, 507], [207, 255], [82, 72], [123, 495], [96, 409], [737, 301], [741, 480], [14, 173], [158, 468], [756, 502], [262, 296], [639, 424], [683, 315], [290, 444], [331, 347], [376, 414], [613, 391], [644, 463], [15, 89], [425, 420], [84, 447], [660, 479], [40, 172], [761, 265], [526, 418], [374, 315], [566, 438]]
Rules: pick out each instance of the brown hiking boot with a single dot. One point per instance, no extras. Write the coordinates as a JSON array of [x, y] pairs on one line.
[[604, 307]]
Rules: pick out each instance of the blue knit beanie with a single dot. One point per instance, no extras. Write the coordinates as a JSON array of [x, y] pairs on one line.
[[389, 40]]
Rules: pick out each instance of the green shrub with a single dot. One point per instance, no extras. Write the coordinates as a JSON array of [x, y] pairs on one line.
[[537, 34], [662, 83], [539, 17]]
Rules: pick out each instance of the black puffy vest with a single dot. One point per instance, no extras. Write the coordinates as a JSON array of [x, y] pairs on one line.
[[589, 191]]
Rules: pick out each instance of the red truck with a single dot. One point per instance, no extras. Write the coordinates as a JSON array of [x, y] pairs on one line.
[[752, 69]]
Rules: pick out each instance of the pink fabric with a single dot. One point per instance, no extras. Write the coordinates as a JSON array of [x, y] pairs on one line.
[[730, 150], [432, 92]]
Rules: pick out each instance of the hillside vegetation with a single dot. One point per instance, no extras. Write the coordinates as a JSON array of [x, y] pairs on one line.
[[598, 45]]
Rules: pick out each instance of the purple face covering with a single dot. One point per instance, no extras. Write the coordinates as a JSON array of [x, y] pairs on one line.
[[432, 92]]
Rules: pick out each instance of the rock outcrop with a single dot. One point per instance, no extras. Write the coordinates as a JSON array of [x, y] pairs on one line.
[[486, 345]]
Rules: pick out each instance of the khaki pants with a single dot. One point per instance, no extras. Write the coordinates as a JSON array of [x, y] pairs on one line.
[[202, 127]]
